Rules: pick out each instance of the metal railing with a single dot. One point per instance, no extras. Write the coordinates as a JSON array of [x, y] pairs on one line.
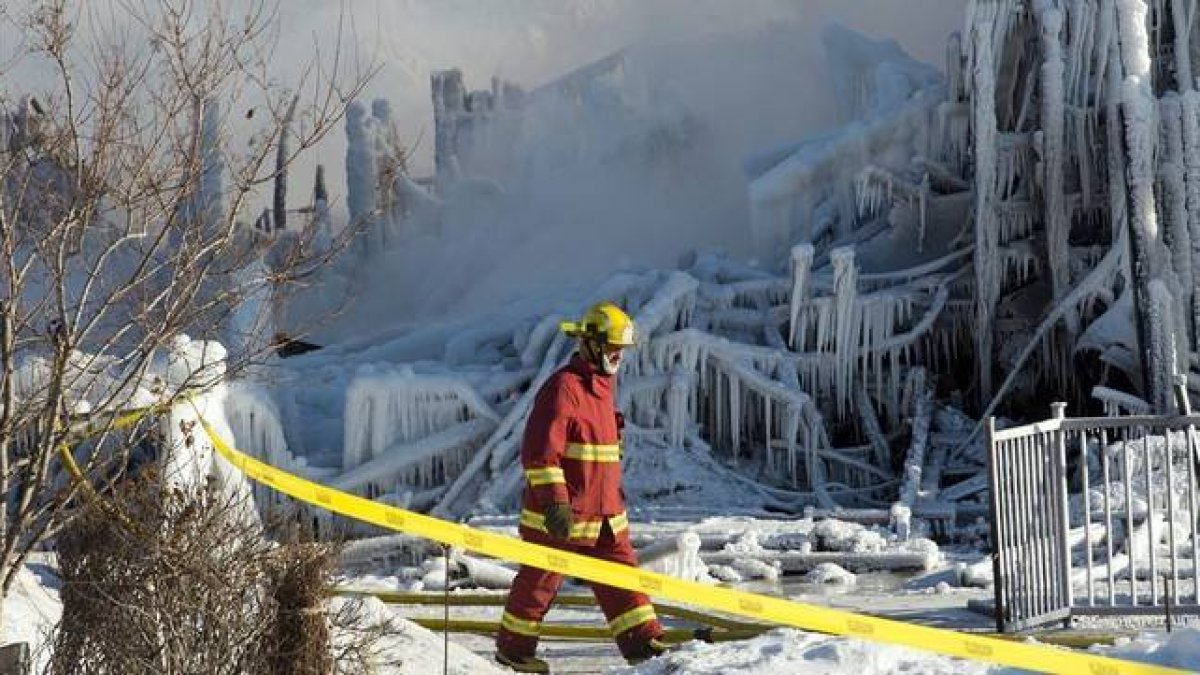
[[1095, 516]]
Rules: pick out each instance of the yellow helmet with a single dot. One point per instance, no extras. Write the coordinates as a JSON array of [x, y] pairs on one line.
[[603, 323]]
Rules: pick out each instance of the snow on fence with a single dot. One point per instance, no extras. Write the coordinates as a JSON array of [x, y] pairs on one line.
[[1095, 516]]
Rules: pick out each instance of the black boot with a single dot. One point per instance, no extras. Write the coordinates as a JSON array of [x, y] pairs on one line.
[[523, 664], [644, 651]]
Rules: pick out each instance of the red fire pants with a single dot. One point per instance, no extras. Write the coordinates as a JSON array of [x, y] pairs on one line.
[[630, 615]]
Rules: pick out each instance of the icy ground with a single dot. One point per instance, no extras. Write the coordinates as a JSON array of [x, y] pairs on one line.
[[33, 608]]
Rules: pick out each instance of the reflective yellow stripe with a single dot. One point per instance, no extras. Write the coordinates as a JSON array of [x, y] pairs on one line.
[[533, 519], [631, 619], [521, 626], [587, 529], [594, 452], [618, 522], [546, 476]]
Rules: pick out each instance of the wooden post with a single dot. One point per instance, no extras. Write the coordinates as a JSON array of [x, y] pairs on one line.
[[14, 659]]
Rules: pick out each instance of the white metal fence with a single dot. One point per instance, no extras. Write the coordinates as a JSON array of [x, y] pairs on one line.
[[1095, 516]]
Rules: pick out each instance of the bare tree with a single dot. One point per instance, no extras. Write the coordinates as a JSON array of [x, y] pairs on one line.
[[123, 180], [182, 585]]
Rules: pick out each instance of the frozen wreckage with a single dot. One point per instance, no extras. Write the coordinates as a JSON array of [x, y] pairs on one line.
[[1016, 231]]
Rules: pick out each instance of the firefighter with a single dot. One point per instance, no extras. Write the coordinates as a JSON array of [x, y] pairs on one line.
[[571, 454]]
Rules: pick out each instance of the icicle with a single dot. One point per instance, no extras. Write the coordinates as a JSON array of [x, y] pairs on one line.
[[845, 291], [791, 428], [767, 434], [735, 415], [923, 219], [802, 257]]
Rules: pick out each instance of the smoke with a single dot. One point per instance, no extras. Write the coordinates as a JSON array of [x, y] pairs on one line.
[[729, 79], [531, 42]]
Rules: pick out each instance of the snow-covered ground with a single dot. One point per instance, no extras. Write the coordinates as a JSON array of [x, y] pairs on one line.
[[408, 649], [32, 608]]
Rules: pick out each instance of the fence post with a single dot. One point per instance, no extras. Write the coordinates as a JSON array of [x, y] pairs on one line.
[[997, 528], [1059, 411]]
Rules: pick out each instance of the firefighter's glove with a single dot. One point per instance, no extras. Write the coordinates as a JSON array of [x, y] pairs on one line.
[[559, 520]]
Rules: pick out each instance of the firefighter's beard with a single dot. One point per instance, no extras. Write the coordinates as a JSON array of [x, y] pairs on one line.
[[610, 362], [605, 361]]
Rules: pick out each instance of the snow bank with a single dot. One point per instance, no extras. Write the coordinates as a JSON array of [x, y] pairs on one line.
[[31, 610], [408, 649], [1178, 649], [792, 651]]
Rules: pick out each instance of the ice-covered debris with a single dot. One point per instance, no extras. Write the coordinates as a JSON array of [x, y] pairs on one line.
[[436, 575], [1147, 537], [1117, 403], [484, 573], [747, 543], [670, 307], [979, 574], [837, 535], [396, 407], [831, 573], [678, 557], [900, 521], [752, 568], [89, 381], [725, 573], [926, 547]]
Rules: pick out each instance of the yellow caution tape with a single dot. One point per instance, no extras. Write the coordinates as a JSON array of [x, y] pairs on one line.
[[761, 607], [90, 428]]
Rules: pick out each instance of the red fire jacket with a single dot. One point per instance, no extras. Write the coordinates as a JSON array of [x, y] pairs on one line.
[[571, 453]]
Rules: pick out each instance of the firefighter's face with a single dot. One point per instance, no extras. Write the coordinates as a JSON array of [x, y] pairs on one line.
[[611, 358]]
